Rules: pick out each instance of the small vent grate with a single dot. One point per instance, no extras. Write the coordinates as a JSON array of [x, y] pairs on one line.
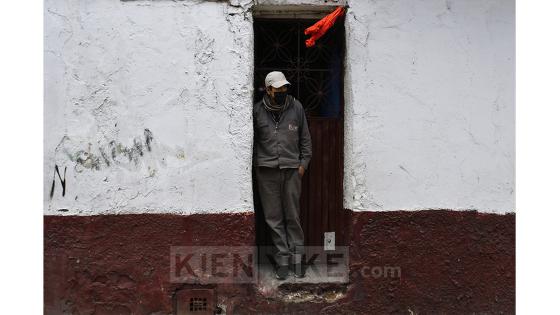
[[198, 304], [195, 301]]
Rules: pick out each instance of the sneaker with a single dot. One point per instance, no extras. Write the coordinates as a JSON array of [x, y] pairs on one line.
[[299, 270], [281, 272]]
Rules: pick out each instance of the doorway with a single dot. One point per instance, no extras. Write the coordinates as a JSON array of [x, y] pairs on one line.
[[316, 75]]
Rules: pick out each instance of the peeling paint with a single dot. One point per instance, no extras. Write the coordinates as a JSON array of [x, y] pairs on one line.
[[429, 107], [115, 70], [422, 127]]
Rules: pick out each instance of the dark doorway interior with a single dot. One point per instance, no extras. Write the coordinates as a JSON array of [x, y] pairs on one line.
[[316, 74]]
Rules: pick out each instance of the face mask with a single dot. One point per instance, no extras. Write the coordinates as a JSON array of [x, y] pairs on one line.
[[280, 97]]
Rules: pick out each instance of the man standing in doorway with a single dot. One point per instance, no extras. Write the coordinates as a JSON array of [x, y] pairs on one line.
[[282, 155]]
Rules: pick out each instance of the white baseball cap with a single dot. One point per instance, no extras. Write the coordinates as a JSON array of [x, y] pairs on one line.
[[276, 79]]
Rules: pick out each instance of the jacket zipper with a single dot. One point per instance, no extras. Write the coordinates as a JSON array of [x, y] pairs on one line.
[[276, 122]]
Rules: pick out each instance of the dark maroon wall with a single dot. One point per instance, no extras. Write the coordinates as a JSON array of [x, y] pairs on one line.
[[450, 262], [119, 264]]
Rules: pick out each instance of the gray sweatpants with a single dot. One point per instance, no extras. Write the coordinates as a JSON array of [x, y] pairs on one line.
[[280, 189]]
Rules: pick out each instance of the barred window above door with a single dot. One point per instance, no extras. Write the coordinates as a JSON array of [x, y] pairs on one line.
[[315, 72]]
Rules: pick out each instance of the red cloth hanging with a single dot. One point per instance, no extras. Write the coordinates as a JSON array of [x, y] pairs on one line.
[[322, 26]]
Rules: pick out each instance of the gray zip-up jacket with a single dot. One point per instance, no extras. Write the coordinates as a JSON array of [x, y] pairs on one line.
[[286, 144]]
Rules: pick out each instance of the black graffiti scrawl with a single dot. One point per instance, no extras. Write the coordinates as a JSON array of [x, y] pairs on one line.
[[113, 152], [62, 181]]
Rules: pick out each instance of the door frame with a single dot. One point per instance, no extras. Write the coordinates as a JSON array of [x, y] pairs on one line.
[[297, 13]]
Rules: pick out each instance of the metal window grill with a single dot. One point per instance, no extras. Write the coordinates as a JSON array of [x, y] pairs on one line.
[[315, 72]]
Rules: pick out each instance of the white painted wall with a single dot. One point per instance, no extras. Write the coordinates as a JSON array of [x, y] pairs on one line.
[[431, 105], [182, 70], [429, 121]]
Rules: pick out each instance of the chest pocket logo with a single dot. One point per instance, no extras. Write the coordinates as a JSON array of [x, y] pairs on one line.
[[292, 127]]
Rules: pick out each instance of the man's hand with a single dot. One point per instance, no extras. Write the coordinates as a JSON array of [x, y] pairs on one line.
[[301, 171]]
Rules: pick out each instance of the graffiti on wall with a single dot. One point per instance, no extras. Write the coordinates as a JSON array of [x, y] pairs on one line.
[[111, 153], [62, 181]]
